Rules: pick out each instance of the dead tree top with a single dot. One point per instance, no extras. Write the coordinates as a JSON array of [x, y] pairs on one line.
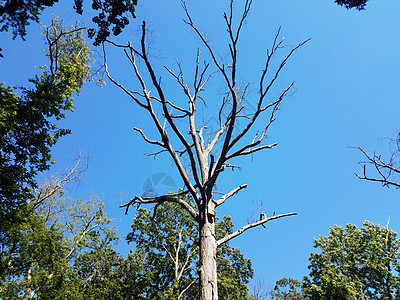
[[199, 179]]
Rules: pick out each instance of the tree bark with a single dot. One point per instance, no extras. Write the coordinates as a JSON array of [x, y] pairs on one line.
[[208, 260]]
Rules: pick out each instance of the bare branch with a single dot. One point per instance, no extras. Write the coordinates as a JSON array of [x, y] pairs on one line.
[[124, 89], [377, 161], [385, 181], [175, 198], [117, 45], [149, 108], [170, 121], [189, 22], [250, 151], [177, 107], [260, 109], [148, 140], [264, 220], [385, 170], [154, 154], [186, 288], [230, 194], [48, 190], [179, 79], [277, 72]]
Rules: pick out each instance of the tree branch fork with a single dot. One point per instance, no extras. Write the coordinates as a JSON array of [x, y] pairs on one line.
[[200, 177], [386, 170]]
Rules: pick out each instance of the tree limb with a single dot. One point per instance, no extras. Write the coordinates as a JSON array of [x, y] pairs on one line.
[[386, 170], [230, 194], [254, 224], [148, 140], [164, 198]]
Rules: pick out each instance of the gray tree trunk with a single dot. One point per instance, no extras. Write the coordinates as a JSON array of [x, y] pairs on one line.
[[208, 260]]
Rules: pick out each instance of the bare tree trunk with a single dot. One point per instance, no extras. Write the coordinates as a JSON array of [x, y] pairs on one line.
[[205, 166], [208, 260]]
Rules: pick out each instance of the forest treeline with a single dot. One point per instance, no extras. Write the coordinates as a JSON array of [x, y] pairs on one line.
[[65, 248]]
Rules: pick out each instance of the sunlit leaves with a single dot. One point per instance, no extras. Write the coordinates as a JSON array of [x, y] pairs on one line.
[[27, 122], [287, 289], [355, 263], [59, 248]]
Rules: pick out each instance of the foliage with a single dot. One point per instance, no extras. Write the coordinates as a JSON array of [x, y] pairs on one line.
[[63, 249], [30, 251], [112, 13], [69, 57], [28, 126], [16, 15], [95, 275], [56, 244], [287, 289], [164, 263], [355, 263], [357, 4]]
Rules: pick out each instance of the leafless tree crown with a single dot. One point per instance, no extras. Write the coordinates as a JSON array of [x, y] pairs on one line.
[[200, 176]]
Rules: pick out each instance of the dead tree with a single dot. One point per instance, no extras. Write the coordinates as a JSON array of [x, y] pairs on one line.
[[206, 166], [387, 171]]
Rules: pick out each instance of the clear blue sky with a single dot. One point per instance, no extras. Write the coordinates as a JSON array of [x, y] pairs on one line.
[[347, 81]]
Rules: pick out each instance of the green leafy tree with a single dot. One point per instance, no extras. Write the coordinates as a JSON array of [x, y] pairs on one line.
[[58, 247], [28, 122], [95, 275], [26, 247], [355, 263], [110, 15], [164, 263], [287, 289]]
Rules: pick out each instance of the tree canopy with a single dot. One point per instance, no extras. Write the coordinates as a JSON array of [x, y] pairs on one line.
[[111, 16], [45, 253], [355, 263], [64, 248], [28, 122]]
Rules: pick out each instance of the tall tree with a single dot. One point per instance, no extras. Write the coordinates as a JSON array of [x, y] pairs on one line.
[[28, 123], [207, 163], [355, 263], [164, 263], [39, 254]]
